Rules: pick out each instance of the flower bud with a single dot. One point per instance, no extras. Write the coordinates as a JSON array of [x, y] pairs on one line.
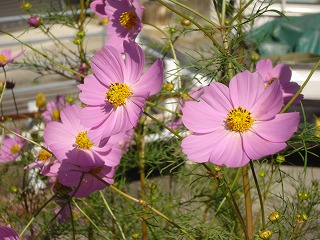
[[26, 6], [262, 173], [169, 87], [77, 41], [185, 22], [40, 100], [265, 234], [280, 159], [274, 216], [301, 217], [172, 30], [135, 235], [35, 21], [10, 84], [303, 196], [81, 34], [255, 57]]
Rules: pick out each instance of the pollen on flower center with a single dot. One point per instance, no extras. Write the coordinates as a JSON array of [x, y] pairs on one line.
[[239, 119], [118, 94], [83, 142], [44, 155], [15, 149], [128, 20], [56, 114], [3, 58]]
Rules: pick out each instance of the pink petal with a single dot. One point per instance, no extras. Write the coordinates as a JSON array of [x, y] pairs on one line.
[[269, 103], [151, 81], [98, 6], [93, 92], [257, 147], [279, 129], [134, 108], [134, 60], [245, 88], [199, 117], [283, 73], [108, 65], [264, 67], [93, 116], [289, 91]]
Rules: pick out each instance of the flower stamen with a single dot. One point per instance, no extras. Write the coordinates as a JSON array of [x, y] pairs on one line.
[[82, 141], [56, 114], [128, 20], [239, 119], [3, 58], [15, 149], [44, 155], [118, 94]]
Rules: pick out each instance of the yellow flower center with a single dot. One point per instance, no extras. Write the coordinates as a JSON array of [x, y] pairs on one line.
[[15, 149], [56, 114], [128, 20], [44, 155], [83, 141], [96, 170], [239, 119], [3, 58], [118, 94]]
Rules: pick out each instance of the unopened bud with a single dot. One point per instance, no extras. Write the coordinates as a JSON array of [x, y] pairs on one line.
[[274, 216], [26, 6], [280, 159], [185, 22], [169, 87], [35, 21], [265, 234], [303, 195]]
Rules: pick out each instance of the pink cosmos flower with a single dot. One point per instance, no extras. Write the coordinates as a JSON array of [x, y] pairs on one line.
[[35, 21], [6, 57], [53, 109], [44, 161], [11, 148], [82, 180], [116, 93], [7, 233], [125, 19], [282, 73], [233, 125], [65, 213], [70, 140]]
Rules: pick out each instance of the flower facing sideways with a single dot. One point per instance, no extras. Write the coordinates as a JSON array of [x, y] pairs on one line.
[[234, 125], [116, 93], [7, 233], [124, 19], [6, 57], [281, 73], [11, 148]]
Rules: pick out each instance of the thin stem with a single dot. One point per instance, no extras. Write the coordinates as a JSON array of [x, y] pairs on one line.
[[27, 139], [162, 108], [163, 125], [112, 215], [216, 44], [43, 55], [89, 219], [248, 203], [15, 102], [35, 215], [260, 196], [301, 88]]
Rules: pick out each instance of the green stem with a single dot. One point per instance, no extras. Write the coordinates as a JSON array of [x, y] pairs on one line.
[[260, 196], [27, 139], [112, 215], [89, 219], [35, 215], [162, 108], [239, 13], [217, 45], [248, 203], [163, 125], [15, 102], [43, 55], [301, 88]]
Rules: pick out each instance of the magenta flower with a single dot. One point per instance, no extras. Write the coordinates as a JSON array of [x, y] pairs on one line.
[[6, 57], [83, 69], [35, 21], [282, 73], [53, 109], [82, 179], [125, 19], [64, 210], [11, 148], [72, 141], [233, 125], [116, 93], [7, 233]]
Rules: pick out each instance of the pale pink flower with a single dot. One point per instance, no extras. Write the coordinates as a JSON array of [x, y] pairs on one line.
[[125, 19], [234, 125], [44, 161], [69, 140], [53, 109], [6, 57], [116, 93], [281, 73], [7, 233], [11, 148]]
